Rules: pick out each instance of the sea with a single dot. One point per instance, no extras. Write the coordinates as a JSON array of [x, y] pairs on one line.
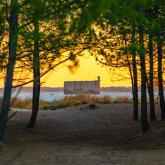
[[50, 96]]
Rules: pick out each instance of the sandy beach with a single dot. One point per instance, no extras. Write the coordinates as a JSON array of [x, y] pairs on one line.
[[82, 136]]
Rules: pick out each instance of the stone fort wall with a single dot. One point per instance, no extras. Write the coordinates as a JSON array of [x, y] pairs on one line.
[[78, 87]]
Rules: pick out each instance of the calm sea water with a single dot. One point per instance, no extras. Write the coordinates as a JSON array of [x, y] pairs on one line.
[[50, 96]]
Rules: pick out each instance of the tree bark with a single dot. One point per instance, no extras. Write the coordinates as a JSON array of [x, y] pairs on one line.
[[13, 36], [144, 121], [36, 76], [151, 82], [135, 80], [135, 89], [160, 79]]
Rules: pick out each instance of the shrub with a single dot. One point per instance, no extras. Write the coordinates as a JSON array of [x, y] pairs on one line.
[[103, 100], [122, 100], [92, 106]]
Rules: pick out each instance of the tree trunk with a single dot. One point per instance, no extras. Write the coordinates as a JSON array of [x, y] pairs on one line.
[[135, 79], [135, 88], [36, 76], [160, 79], [144, 121], [151, 82], [13, 35]]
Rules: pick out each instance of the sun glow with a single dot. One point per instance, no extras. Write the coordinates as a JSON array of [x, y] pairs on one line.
[[88, 70]]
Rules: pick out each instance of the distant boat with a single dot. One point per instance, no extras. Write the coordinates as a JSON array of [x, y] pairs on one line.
[[52, 94]]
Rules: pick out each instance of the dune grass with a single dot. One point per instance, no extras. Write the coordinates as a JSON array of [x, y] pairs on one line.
[[68, 101]]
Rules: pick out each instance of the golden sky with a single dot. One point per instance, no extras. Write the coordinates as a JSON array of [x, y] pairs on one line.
[[88, 70]]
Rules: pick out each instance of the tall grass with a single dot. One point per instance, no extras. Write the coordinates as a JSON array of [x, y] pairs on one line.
[[21, 103], [69, 101]]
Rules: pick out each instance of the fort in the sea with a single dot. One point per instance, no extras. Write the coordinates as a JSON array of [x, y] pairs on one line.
[[78, 87]]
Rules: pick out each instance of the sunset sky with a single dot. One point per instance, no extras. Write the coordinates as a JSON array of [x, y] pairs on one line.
[[88, 70]]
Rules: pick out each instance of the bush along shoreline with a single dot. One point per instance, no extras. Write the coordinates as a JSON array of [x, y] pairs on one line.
[[68, 101]]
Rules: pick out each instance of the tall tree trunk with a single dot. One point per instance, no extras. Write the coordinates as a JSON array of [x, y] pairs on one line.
[[36, 76], [13, 35], [135, 88], [151, 82], [132, 83], [135, 79], [144, 121], [160, 79]]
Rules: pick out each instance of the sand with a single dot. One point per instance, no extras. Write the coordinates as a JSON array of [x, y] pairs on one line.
[[83, 136]]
